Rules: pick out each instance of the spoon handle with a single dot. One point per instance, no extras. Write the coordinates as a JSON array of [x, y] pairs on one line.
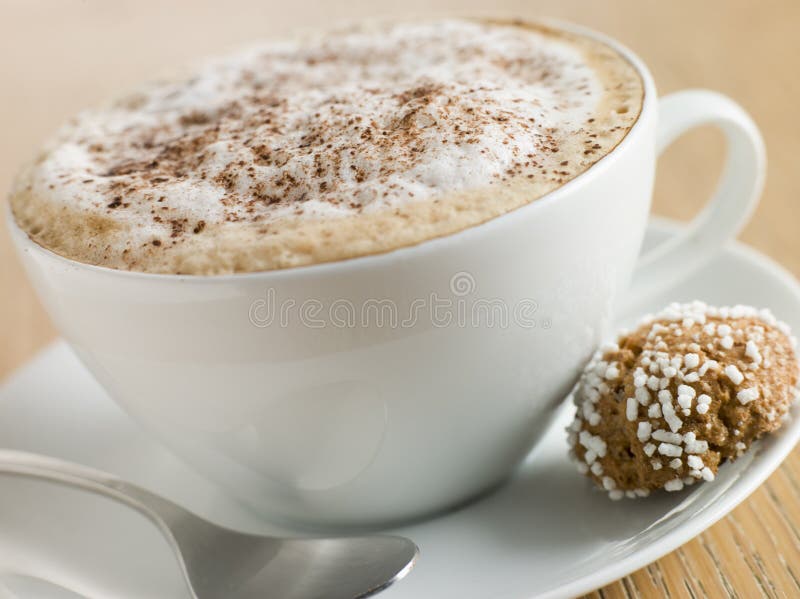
[[160, 511]]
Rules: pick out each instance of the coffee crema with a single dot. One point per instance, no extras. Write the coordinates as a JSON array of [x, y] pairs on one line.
[[348, 143]]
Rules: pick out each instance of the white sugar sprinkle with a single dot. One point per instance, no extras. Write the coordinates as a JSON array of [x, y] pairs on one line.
[[726, 342], [631, 409], [644, 430], [675, 484], [734, 374], [676, 464], [745, 396], [668, 449], [656, 464], [751, 351], [696, 447], [673, 421], [593, 443], [649, 449], [691, 360], [668, 437], [695, 462], [642, 395], [708, 475], [707, 365]]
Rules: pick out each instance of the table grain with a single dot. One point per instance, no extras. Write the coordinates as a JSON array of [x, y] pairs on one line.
[[58, 56]]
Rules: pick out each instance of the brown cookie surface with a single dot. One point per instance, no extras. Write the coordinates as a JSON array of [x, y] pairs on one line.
[[691, 387]]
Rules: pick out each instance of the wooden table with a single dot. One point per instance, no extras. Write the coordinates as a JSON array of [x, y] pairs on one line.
[[58, 56]]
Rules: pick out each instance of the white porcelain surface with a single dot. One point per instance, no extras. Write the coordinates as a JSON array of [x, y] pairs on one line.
[[320, 423], [547, 533], [337, 425]]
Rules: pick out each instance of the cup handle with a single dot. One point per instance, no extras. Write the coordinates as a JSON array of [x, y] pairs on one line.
[[733, 201]]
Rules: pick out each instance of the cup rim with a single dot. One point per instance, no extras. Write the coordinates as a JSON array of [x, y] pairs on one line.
[[26, 244]]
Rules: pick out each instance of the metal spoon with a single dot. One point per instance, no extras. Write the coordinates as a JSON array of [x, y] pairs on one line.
[[219, 563]]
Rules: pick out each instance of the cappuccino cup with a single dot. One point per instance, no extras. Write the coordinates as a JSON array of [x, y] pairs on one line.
[[371, 389]]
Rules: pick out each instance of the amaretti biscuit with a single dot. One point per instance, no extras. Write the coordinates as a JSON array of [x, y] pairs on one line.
[[691, 387]]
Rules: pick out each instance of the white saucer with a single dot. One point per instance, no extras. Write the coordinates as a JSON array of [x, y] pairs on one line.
[[545, 534]]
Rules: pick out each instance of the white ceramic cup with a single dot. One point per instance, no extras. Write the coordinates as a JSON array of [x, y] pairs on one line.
[[392, 386]]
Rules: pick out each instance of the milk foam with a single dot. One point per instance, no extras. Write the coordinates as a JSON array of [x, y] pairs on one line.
[[354, 122]]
